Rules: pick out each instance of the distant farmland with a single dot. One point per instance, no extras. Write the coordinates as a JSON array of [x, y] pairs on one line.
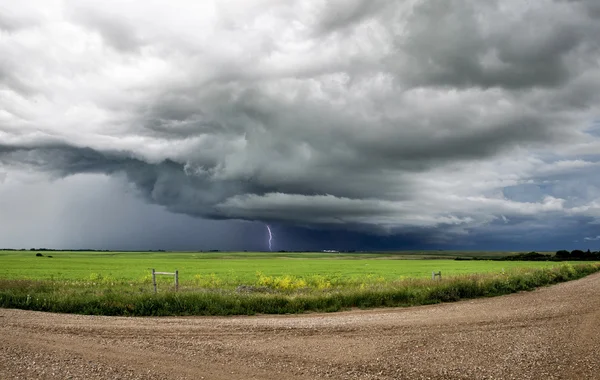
[[120, 283], [242, 267]]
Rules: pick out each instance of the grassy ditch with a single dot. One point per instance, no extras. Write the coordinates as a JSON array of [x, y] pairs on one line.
[[272, 297]]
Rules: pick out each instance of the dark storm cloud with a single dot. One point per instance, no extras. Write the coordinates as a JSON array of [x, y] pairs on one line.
[[365, 116], [164, 183], [101, 212], [487, 44], [63, 160], [591, 7]]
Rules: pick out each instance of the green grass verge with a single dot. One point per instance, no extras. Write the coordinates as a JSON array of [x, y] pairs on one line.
[[64, 297]]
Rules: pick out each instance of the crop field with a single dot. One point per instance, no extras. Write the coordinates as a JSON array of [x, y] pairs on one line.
[[238, 268], [120, 283]]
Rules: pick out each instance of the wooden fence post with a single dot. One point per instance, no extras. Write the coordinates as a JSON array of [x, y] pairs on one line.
[[154, 280], [174, 274]]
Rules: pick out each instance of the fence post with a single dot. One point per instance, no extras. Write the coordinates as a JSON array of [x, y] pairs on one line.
[[154, 280], [174, 274]]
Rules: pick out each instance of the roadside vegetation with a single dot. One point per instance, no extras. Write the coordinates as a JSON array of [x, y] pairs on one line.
[[121, 284]]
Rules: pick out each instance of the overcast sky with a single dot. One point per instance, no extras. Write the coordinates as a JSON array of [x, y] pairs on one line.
[[343, 124]]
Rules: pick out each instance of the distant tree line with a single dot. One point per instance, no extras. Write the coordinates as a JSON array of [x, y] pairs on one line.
[[562, 255], [77, 250], [578, 255]]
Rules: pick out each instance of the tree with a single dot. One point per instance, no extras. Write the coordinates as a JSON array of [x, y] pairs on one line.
[[577, 254]]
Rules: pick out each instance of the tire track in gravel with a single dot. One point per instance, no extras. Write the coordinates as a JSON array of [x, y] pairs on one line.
[[550, 333]]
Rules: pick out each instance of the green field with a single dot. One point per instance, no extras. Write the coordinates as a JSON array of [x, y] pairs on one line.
[[120, 283], [239, 267]]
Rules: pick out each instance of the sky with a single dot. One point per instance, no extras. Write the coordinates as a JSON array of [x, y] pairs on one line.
[[354, 124]]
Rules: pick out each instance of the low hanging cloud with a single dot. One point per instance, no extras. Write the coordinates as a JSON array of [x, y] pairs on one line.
[[447, 116]]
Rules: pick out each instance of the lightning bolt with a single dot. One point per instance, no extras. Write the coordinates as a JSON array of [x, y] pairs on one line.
[[270, 237]]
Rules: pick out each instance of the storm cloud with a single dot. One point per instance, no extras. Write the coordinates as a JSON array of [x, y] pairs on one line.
[[455, 121]]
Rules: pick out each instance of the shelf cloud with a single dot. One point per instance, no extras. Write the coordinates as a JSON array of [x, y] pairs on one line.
[[453, 121]]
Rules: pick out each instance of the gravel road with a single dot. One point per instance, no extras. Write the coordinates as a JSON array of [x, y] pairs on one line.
[[550, 333]]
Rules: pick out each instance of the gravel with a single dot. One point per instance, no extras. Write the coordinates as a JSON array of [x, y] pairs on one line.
[[550, 333]]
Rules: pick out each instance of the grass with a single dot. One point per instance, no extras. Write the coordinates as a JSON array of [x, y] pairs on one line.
[[119, 283], [235, 268]]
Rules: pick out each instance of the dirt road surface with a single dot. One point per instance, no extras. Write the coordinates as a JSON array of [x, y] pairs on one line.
[[550, 333]]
